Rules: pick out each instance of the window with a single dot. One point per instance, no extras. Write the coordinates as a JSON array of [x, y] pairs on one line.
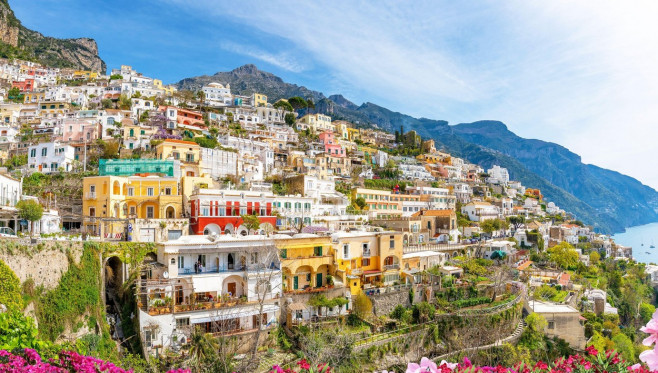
[[182, 322], [392, 243], [317, 251], [243, 211], [176, 155], [308, 277], [92, 211], [205, 211], [551, 324], [167, 191], [33, 153], [365, 262], [150, 212], [53, 166], [284, 253], [181, 261], [346, 251], [366, 249], [44, 152], [254, 258], [149, 191], [132, 210], [131, 191], [189, 157]]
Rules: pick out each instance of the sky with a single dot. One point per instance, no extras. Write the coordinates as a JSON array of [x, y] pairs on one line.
[[582, 74]]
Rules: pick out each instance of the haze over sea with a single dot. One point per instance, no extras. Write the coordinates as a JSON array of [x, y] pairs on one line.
[[636, 236]]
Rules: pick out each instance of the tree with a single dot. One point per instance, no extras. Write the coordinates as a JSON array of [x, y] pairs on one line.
[[251, 222], [290, 119], [282, 104], [533, 335], [362, 306], [106, 103], [564, 255], [624, 346], [125, 103], [360, 203], [116, 77], [297, 103], [594, 257], [516, 221], [13, 93], [109, 149], [202, 345], [488, 226], [646, 312], [30, 210]]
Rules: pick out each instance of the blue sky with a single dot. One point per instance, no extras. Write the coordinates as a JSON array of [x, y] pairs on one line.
[[582, 74]]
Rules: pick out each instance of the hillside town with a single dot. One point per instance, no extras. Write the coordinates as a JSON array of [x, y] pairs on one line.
[[265, 218]]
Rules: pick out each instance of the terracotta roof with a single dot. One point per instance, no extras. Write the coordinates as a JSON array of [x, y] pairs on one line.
[[564, 279], [524, 265], [434, 213]]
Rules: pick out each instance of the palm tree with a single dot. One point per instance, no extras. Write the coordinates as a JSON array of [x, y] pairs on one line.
[[202, 347]]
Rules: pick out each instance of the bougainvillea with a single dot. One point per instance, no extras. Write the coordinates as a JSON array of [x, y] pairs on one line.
[[68, 362], [303, 367]]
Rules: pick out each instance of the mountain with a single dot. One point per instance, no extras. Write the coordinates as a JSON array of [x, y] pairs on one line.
[[605, 199], [17, 41]]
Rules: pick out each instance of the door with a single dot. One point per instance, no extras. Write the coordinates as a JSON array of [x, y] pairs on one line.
[[295, 283], [231, 288], [147, 235], [318, 280], [179, 295]]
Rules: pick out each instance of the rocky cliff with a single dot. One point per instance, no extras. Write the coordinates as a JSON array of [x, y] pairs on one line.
[[17, 41]]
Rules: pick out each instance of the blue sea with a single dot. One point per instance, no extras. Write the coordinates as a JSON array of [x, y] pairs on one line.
[[636, 236]]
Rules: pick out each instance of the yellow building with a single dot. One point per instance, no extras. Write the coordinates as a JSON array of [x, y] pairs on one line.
[[306, 261], [382, 203], [80, 74], [123, 197], [187, 152], [353, 134], [259, 99], [33, 97], [367, 259], [136, 136], [317, 123], [342, 129]]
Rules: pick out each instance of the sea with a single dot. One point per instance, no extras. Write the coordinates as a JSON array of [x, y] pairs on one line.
[[638, 235]]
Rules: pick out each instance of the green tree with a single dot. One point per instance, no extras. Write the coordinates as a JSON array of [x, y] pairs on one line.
[[624, 346], [297, 103], [13, 93], [10, 289], [116, 77], [646, 312], [360, 203], [290, 119], [125, 103], [282, 104], [488, 226], [533, 335], [30, 210], [516, 221], [564, 255], [362, 306], [107, 103], [251, 222], [594, 257]]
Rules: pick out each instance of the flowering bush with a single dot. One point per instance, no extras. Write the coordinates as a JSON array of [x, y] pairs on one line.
[[30, 361], [304, 367], [650, 357]]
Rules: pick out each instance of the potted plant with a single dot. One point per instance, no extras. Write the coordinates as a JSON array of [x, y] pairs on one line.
[[330, 280]]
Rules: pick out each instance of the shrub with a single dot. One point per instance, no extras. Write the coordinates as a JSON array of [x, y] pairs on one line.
[[10, 288]]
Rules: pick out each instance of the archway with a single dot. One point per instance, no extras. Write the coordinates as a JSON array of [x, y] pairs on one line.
[[228, 229], [113, 280], [116, 188], [243, 231], [212, 229], [170, 212], [233, 286]]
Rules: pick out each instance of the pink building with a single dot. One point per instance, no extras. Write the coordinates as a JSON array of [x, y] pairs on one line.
[[331, 147], [76, 130]]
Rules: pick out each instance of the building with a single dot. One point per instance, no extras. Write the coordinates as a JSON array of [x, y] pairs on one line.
[[218, 163], [380, 203], [480, 211], [366, 260], [307, 262], [108, 201], [129, 167], [49, 157], [217, 95], [187, 152], [316, 123], [562, 321], [331, 146], [220, 211], [498, 175], [223, 285], [258, 100]]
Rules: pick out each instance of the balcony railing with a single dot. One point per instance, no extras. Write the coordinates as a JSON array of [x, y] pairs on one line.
[[90, 195], [366, 254], [391, 266]]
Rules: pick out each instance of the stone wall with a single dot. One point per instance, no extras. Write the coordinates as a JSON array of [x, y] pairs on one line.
[[45, 262], [383, 304]]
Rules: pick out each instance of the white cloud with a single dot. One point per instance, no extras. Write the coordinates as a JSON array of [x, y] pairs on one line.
[[282, 60]]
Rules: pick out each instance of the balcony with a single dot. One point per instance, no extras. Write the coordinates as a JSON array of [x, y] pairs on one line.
[[391, 267], [225, 302], [366, 254], [90, 195]]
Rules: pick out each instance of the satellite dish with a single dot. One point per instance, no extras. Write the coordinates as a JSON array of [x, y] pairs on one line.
[[165, 274]]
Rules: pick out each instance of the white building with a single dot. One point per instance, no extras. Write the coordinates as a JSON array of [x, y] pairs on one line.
[[480, 211], [217, 283], [217, 94], [50, 157], [498, 175], [415, 172], [438, 198], [218, 163]]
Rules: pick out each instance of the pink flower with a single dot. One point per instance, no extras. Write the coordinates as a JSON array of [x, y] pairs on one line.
[[426, 365], [304, 364], [650, 357], [635, 367], [652, 329], [592, 350], [452, 366]]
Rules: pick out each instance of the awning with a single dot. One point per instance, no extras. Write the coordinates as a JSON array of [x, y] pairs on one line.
[[297, 307], [372, 273], [234, 313]]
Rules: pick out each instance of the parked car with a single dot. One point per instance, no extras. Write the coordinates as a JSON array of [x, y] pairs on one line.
[[7, 232]]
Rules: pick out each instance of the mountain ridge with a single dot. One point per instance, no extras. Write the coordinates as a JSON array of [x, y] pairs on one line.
[[606, 199], [17, 41]]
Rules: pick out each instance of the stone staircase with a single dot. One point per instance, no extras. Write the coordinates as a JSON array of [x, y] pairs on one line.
[[509, 339]]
